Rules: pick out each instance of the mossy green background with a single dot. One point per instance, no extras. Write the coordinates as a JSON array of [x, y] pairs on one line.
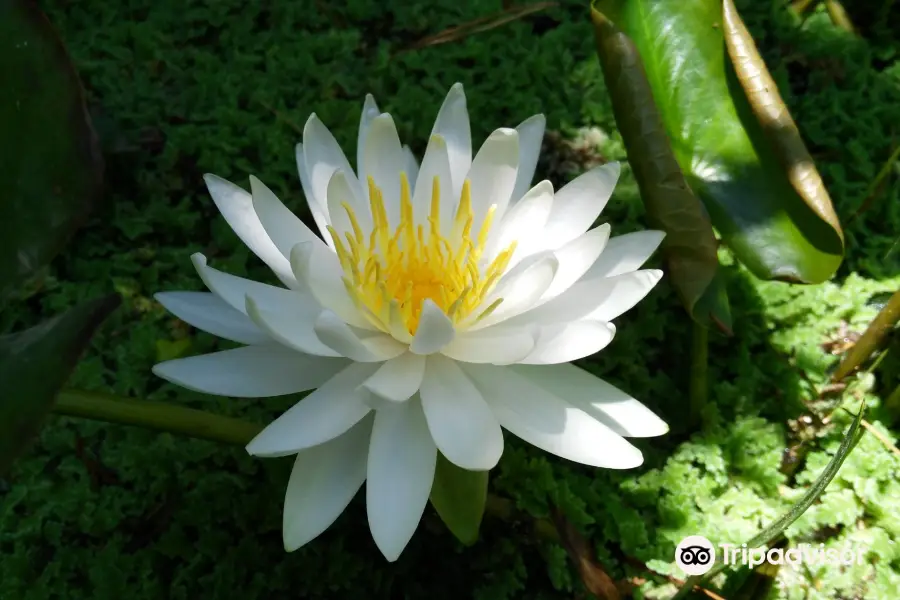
[[184, 88]]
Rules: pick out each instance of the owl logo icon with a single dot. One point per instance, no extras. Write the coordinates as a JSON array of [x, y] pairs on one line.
[[695, 555]]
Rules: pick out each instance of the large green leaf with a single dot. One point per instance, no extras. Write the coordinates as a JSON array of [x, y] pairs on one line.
[[34, 365], [690, 244], [733, 137], [49, 159], [459, 497]]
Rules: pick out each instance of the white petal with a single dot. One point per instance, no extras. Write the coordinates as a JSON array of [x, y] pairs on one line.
[[411, 166], [324, 480], [259, 371], [520, 289], [578, 204], [531, 134], [383, 161], [452, 124], [626, 253], [340, 193], [320, 270], [565, 342], [493, 175], [233, 290], [463, 426], [496, 345], [402, 457], [289, 324], [602, 299], [548, 422], [283, 226], [315, 208], [211, 314], [337, 335], [436, 163], [523, 223], [622, 413], [323, 156], [576, 258], [335, 407], [399, 378], [435, 330], [236, 206], [369, 112]]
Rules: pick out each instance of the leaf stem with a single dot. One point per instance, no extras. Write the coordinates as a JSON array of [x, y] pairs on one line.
[[699, 383], [159, 416], [871, 339]]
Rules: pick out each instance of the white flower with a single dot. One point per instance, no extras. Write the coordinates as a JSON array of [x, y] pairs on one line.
[[442, 305]]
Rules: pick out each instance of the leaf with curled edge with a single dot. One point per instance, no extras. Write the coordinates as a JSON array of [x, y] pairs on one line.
[[35, 364], [727, 157], [690, 246], [775, 118], [50, 158]]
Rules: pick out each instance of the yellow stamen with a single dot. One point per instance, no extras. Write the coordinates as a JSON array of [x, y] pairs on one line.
[[391, 273]]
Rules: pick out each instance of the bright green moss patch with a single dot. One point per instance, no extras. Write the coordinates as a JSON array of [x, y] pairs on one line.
[[105, 512]]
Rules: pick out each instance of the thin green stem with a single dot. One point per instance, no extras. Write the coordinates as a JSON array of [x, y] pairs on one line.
[[871, 339], [839, 16], [159, 416], [699, 384], [892, 404]]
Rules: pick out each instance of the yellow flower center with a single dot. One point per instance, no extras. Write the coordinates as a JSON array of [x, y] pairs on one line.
[[390, 274]]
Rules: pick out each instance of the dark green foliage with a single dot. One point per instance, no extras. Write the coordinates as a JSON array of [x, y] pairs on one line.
[[108, 512]]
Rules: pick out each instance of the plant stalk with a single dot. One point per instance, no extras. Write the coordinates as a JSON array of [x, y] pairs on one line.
[[159, 416], [871, 339], [698, 390]]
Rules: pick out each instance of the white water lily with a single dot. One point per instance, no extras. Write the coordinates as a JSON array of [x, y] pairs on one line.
[[442, 303]]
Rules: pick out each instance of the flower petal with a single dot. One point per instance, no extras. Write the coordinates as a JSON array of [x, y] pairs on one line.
[[435, 330], [625, 253], [531, 135], [320, 270], [493, 175], [324, 480], [259, 371], [463, 426], [233, 290], [323, 156], [452, 124], [336, 406], [520, 289], [337, 335], [397, 379], [282, 226], [236, 205], [435, 164], [602, 299], [523, 224], [383, 161], [497, 345], [369, 112], [341, 196], [565, 342], [402, 457], [576, 258], [548, 422], [211, 314], [619, 411], [290, 324], [315, 208], [578, 204]]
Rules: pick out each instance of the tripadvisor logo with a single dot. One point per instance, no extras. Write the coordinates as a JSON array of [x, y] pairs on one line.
[[695, 555]]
